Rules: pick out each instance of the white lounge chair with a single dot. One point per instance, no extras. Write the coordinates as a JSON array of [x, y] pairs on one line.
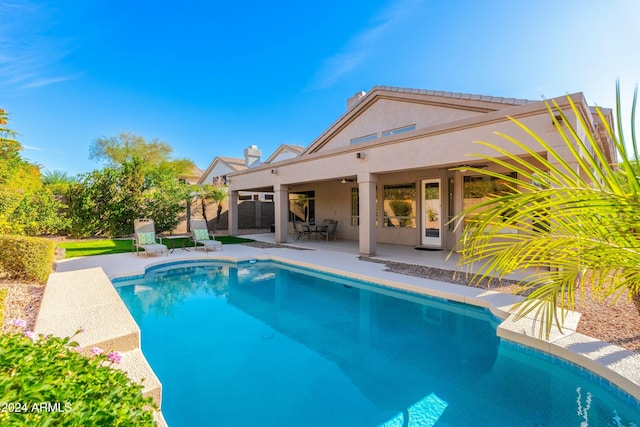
[[200, 236], [145, 237]]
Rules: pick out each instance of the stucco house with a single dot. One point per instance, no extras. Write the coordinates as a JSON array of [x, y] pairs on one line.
[[284, 152], [383, 168], [192, 176], [220, 168]]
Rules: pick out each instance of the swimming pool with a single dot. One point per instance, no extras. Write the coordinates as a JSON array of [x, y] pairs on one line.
[[271, 345]]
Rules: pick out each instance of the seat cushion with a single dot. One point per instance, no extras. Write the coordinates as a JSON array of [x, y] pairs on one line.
[[154, 247], [201, 234], [148, 238]]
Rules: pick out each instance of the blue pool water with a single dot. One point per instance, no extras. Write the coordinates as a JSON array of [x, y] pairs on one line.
[[264, 345]]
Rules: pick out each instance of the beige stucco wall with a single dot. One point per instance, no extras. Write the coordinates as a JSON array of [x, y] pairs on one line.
[[432, 147], [283, 155], [386, 114]]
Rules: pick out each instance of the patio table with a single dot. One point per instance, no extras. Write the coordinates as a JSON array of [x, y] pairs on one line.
[[316, 229], [176, 241]]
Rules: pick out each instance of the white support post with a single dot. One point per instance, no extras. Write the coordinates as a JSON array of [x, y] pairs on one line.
[[367, 229], [281, 211]]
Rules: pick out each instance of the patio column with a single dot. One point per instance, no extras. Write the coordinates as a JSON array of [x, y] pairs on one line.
[[281, 211], [233, 213], [367, 229]]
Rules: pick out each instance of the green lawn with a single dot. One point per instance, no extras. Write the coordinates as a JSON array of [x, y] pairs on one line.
[[95, 247], [108, 246]]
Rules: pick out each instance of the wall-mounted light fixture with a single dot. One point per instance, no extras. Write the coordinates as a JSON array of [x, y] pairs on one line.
[[274, 171], [361, 155]]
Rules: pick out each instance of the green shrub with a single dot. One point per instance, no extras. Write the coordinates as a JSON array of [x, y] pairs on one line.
[[29, 258], [3, 297], [46, 381]]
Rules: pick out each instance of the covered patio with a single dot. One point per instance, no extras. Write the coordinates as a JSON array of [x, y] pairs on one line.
[[385, 251]]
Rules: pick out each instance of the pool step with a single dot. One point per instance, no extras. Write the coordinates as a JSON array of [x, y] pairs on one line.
[[86, 299], [138, 369]]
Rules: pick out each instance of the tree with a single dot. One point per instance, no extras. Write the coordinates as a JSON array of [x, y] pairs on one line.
[[218, 194], [140, 180], [126, 147], [591, 226], [215, 192], [105, 202], [25, 207], [57, 181]]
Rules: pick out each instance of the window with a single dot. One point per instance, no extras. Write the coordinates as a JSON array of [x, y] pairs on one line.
[[364, 138], [399, 130], [399, 205], [245, 197], [268, 197], [220, 180], [355, 206], [302, 206], [477, 189]]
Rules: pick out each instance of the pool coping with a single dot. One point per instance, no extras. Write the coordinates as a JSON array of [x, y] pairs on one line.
[[615, 364], [86, 300]]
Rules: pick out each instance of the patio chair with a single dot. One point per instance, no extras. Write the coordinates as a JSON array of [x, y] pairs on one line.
[[200, 236], [300, 231], [145, 237], [328, 228]]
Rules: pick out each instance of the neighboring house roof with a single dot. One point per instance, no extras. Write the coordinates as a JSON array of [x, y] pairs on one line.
[[195, 172], [285, 151], [232, 163], [462, 102]]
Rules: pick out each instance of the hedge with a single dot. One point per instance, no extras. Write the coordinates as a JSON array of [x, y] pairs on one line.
[[27, 258]]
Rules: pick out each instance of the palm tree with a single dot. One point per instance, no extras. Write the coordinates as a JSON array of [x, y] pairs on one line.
[[575, 231], [215, 192], [55, 176], [218, 193]]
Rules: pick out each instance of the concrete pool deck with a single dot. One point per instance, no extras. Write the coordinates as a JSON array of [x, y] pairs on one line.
[[79, 294]]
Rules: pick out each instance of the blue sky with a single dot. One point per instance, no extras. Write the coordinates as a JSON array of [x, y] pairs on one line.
[[211, 78]]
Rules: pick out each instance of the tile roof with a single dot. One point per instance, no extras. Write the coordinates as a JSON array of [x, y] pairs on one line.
[[454, 95], [234, 163]]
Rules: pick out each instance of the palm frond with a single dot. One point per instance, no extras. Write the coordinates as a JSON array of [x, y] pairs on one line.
[[572, 227]]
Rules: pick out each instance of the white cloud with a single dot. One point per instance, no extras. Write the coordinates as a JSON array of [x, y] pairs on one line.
[[29, 147], [359, 48]]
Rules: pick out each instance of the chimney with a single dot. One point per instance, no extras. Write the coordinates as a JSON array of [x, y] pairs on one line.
[[252, 156], [355, 99]]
